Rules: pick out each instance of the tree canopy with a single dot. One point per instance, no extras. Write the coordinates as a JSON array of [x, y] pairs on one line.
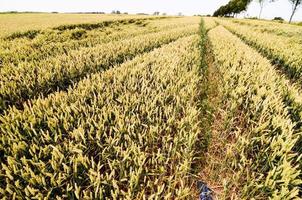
[[295, 5], [232, 8]]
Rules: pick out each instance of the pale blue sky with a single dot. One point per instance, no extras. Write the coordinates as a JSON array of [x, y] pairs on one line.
[[280, 8]]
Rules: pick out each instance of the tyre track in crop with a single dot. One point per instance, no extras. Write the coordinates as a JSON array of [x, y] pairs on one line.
[[212, 171]]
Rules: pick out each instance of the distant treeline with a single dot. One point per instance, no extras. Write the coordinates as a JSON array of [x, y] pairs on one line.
[[232, 8], [96, 12], [54, 12], [85, 12], [237, 6], [17, 12]]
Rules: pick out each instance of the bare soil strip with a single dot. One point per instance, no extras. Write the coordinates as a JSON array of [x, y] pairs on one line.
[[213, 171]]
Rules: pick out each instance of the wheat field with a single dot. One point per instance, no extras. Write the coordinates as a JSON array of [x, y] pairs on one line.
[[143, 107]]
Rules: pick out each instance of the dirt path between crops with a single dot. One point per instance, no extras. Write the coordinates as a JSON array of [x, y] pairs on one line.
[[214, 171]]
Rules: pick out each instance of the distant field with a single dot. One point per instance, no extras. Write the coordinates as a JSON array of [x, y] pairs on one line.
[[22, 22]]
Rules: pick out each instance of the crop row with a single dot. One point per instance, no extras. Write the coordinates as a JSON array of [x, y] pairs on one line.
[[30, 81], [276, 28], [130, 132], [265, 155], [283, 51], [209, 23], [91, 26], [52, 42], [12, 23]]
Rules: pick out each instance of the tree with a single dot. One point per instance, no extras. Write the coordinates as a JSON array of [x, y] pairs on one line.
[[261, 2], [295, 5], [279, 19], [232, 8]]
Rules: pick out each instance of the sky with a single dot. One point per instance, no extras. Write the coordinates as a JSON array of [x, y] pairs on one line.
[[281, 8]]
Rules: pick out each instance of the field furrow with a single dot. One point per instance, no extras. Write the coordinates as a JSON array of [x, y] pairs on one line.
[[130, 132]]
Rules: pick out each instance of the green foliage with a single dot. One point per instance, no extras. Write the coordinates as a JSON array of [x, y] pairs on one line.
[[78, 34], [94, 25], [295, 6], [28, 34], [280, 19], [232, 8]]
